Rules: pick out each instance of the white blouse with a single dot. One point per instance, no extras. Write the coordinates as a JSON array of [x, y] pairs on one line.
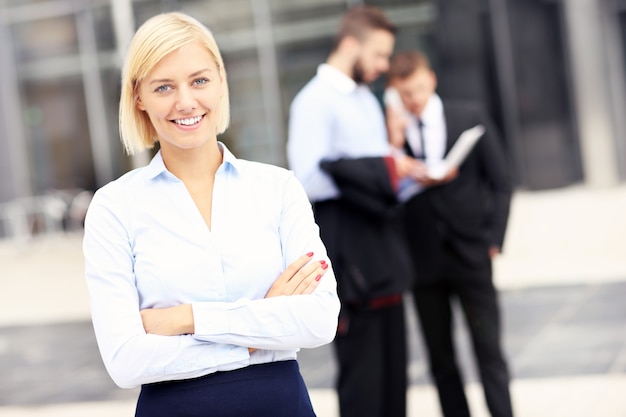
[[147, 246]]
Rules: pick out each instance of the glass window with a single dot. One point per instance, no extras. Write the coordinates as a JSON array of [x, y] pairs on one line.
[[292, 12], [57, 134], [103, 22], [46, 38], [246, 103], [622, 25], [221, 16], [16, 3], [392, 3], [111, 81]]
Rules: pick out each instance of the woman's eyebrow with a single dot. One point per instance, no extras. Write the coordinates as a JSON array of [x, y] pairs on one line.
[[195, 74], [167, 80]]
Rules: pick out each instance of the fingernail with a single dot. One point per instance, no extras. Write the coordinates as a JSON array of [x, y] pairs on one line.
[[325, 266], [309, 254], [322, 262], [317, 278]]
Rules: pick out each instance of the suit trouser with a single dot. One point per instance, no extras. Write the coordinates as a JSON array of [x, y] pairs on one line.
[[371, 352], [478, 299]]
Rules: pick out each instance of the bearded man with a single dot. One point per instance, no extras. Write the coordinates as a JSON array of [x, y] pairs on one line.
[[338, 149]]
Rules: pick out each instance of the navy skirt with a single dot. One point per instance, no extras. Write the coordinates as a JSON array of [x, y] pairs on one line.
[[273, 389]]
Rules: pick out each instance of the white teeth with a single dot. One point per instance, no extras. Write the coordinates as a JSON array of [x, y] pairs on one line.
[[188, 122]]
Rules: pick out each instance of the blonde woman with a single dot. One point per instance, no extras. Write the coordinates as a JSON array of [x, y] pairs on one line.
[[206, 272]]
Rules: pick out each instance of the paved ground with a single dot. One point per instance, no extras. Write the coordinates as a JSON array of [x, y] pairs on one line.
[[562, 281]]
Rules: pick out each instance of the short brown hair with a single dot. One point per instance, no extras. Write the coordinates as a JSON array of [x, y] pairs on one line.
[[405, 63], [358, 21]]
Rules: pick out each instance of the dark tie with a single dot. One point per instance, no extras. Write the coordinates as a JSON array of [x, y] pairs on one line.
[[409, 150]]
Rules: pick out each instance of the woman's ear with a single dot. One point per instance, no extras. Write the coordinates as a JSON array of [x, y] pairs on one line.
[[139, 103]]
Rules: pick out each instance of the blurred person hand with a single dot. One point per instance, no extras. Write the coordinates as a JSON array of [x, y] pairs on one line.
[[406, 166], [396, 125], [420, 174], [494, 251]]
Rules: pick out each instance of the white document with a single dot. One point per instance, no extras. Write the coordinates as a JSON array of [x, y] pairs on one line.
[[458, 153]]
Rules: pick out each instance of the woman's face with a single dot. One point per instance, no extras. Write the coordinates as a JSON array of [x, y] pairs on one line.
[[181, 97]]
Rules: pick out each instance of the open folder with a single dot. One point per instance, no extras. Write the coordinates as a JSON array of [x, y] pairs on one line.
[[458, 153]]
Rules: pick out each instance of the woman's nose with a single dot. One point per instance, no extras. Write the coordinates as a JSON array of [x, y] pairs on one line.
[[186, 100]]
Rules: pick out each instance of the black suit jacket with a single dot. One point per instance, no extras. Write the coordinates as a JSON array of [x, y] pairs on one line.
[[467, 215], [362, 231]]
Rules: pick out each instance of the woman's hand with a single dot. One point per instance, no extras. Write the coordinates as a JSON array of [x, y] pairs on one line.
[[172, 321], [300, 277]]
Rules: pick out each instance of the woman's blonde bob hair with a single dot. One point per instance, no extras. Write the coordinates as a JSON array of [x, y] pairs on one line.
[[156, 38]]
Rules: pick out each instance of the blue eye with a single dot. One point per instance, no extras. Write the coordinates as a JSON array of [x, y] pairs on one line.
[[200, 81], [162, 88]]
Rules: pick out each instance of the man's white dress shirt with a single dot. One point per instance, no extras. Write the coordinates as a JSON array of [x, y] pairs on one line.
[[146, 245], [435, 140], [434, 128], [332, 117]]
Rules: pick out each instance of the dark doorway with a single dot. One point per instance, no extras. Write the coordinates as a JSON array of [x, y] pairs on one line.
[[511, 55]]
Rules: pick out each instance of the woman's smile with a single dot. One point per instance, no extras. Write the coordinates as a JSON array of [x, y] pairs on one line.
[[189, 121]]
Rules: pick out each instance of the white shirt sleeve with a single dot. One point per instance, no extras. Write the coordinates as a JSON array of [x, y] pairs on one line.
[[310, 140]]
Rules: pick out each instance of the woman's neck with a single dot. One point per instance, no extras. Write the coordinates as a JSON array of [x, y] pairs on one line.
[[192, 165]]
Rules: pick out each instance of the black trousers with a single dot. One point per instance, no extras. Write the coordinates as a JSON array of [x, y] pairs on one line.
[[273, 389], [478, 299], [371, 352]]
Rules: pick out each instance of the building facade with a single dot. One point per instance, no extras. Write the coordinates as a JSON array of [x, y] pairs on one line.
[[552, 72]]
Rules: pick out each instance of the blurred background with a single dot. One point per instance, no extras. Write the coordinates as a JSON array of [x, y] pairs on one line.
[[551, 72]]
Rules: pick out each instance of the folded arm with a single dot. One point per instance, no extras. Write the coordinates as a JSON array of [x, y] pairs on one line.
[[286, 318]]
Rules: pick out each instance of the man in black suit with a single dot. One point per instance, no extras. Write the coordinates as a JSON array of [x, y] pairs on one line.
[[455, 226]]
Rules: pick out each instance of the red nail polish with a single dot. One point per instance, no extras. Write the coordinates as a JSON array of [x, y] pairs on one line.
[[317, 278], [325, 266], [322, 262], [309, 254]]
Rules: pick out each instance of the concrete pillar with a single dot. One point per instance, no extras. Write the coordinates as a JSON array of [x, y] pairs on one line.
[[11, 119], [270, 83], [584, 24], [124, 26], [94, 98]]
